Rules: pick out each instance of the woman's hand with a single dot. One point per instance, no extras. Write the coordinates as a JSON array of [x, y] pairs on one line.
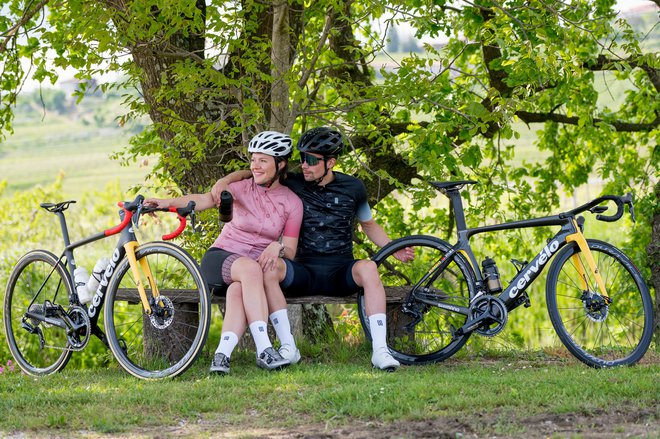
[[159, 203], [268, 258]]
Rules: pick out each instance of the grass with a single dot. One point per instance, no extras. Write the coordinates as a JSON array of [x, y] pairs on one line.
[[508, 388]]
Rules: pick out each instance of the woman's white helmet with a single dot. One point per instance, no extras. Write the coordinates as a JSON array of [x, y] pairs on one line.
[[271, 143]]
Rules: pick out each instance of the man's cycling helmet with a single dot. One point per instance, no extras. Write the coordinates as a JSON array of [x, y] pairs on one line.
[[322, 140], [271, 143]]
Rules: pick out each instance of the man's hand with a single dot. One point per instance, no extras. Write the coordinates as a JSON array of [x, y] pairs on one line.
[[405, 254]]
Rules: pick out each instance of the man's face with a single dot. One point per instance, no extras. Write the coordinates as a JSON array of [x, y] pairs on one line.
[[315, 171]]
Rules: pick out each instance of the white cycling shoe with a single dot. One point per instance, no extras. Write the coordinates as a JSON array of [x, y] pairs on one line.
[[383, 360], [290, 353]]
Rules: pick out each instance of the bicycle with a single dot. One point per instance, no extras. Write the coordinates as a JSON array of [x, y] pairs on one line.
[[597, 300], [151, 334]]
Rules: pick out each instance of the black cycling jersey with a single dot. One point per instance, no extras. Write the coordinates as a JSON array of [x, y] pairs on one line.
[[329, 214]]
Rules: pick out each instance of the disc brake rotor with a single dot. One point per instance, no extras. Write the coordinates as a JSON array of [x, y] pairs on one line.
[[163, 312]]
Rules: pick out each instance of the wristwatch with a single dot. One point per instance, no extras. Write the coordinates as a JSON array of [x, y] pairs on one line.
[[282, 248]]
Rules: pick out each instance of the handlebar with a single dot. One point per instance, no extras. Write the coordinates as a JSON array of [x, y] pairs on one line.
[[593, 207], [136, 208]]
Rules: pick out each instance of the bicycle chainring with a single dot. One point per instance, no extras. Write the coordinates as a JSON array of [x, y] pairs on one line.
[[496, 314], [79, 336], [162, 313]]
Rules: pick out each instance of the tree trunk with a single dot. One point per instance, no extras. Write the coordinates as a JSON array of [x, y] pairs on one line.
[[653, 252], [166, 344]]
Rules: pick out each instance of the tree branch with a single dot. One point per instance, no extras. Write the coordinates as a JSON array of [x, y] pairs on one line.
[[27, 16], [529, 117]]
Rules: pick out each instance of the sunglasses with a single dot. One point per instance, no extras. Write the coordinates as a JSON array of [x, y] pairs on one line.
[[310, 159]]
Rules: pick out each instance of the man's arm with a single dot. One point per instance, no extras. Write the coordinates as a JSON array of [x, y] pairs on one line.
[[377, 235], [375, 232], [224, 182]]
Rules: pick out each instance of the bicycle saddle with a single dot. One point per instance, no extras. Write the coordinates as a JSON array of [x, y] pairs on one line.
[[57, 207], [449, 185]]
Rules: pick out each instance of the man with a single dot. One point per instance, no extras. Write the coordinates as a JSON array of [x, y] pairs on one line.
[[324, 263]]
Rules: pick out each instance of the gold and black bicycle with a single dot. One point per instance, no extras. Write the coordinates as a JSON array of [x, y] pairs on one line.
[[599, 305], [157, 306]]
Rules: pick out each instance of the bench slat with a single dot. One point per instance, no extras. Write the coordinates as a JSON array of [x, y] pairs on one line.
[[393, 295]]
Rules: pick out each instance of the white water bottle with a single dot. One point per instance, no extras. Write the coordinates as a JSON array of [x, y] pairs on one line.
[[95, 277], [80, 276]]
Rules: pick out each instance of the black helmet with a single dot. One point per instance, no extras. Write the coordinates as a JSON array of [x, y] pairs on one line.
[[322, 140]]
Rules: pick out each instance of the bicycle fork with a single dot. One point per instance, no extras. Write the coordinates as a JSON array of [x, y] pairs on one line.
[[137, 268], [580, 240]]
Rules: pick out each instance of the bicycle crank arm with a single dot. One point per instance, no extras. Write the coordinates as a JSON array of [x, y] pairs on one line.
[[51, 321], [472, 325], [446, 306]]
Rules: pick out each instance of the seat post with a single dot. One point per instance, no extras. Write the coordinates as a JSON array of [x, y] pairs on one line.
[[454, 196]]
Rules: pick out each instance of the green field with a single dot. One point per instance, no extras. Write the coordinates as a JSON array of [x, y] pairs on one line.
[[76, 145]]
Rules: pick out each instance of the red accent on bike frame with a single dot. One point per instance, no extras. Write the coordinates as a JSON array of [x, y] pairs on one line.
[[127, 219], [182, 225]]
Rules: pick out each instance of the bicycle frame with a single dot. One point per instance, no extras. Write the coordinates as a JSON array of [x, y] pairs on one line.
[[126, 246], [513, 295]]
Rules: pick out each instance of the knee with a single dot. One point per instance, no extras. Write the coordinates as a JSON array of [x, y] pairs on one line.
[[276, 275], [366, 271], [246, 268]]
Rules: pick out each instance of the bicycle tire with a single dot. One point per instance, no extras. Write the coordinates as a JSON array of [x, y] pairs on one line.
[[25, 280], [159, 347], [432, 339], [598, 334]]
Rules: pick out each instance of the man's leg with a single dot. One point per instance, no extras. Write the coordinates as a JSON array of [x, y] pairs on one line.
[[365, 275]]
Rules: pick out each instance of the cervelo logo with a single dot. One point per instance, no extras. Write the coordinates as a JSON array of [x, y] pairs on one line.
[[98, 296], [540, 262]]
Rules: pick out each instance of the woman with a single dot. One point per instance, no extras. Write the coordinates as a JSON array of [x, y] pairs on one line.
[[265, 225]]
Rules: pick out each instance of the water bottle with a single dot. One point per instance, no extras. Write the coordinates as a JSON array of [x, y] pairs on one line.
[[80, 277], [95, 277], [226, 206], [491, 276]]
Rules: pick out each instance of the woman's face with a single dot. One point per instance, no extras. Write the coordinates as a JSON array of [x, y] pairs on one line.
[[262, 167]]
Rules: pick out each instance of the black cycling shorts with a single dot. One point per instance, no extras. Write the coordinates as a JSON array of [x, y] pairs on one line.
[[328, 277]]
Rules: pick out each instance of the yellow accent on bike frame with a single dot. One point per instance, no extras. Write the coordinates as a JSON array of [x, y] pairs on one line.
[[467, 257], [144, 264], [578, 238]]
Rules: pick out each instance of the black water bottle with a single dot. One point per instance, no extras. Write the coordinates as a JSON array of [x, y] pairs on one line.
[[491, 276], [226, 206]]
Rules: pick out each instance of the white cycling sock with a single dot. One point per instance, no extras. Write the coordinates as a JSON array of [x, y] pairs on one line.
[[228, 341], [280, 321], [259, 332], [378, 328]]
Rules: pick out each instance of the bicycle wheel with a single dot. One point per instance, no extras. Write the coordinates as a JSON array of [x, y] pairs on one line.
[[433, 337], [166, 343], [597, 333], [40, 283]]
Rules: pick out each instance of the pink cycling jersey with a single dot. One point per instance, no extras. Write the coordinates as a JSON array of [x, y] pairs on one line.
[[261, 215]]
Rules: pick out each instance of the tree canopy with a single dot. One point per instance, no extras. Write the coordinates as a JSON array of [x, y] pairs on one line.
[[210, 74]]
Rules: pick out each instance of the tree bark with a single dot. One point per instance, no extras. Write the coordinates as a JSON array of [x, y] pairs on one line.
[[653, 252]]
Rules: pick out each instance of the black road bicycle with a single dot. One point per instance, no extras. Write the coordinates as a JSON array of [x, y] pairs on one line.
[[598, 302], [150, 333]]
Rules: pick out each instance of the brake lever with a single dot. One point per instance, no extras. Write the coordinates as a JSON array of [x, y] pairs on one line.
[[136, 216]]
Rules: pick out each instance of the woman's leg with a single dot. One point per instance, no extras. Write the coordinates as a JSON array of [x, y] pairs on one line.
[[249, 273], [233, 328], [279, 316]]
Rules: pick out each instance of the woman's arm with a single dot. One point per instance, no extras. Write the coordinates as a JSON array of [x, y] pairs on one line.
[[202, 201]]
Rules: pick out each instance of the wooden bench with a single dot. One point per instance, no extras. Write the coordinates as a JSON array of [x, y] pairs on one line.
[[394, 296]]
